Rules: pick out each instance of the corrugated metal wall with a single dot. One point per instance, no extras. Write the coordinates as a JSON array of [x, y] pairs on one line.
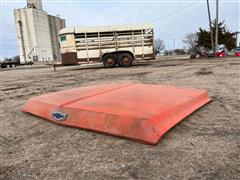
[[55, 25]]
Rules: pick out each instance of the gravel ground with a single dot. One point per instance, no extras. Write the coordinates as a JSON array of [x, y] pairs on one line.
[[206, 145]]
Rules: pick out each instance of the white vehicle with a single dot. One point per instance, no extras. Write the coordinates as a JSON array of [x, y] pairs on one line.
[[111, 45]]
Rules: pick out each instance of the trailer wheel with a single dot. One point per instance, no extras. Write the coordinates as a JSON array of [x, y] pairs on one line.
[[13, 65], [125, 60], [8, 66], [109, 60]]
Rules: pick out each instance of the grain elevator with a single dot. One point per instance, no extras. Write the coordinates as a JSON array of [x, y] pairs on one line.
[[37, 33]]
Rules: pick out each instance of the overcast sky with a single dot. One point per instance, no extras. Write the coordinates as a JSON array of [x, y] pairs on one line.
[[173, 19]]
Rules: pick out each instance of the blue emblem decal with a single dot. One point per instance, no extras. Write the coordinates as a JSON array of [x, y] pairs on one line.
[[59, 116]]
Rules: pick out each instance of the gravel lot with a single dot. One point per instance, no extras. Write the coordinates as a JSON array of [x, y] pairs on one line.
[[206, 145]]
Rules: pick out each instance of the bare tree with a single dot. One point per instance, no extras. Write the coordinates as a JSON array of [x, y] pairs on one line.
[[191, 41], [158, 46]]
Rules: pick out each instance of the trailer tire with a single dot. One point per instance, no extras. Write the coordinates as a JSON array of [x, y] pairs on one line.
[[109, 60], [125, 59], [8, 66], [13, 65]]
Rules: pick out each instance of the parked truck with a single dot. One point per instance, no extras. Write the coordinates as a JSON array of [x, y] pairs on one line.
[[10, 62], [13, 62], [111, 45]]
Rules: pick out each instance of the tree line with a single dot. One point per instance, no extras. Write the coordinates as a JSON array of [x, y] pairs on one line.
[[201, 40]]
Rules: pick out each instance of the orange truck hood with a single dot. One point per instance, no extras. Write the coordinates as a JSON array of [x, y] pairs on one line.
[[140, 112]]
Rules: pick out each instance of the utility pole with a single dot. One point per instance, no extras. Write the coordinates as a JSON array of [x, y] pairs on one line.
[[174, 44], [216, 33], [237, 39], [210, 25]]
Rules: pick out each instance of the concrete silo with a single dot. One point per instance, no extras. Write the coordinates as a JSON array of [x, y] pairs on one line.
[[37, 33], [37, 4]]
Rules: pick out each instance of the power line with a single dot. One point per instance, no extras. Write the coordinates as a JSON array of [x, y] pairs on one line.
[[174, 12]]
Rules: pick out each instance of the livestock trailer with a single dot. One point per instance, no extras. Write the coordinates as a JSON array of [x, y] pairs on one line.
[[112, 45]]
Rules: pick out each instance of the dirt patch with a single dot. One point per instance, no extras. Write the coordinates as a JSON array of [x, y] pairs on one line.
[[203, 146], [234, 63], [204, 71], [10, 88]]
